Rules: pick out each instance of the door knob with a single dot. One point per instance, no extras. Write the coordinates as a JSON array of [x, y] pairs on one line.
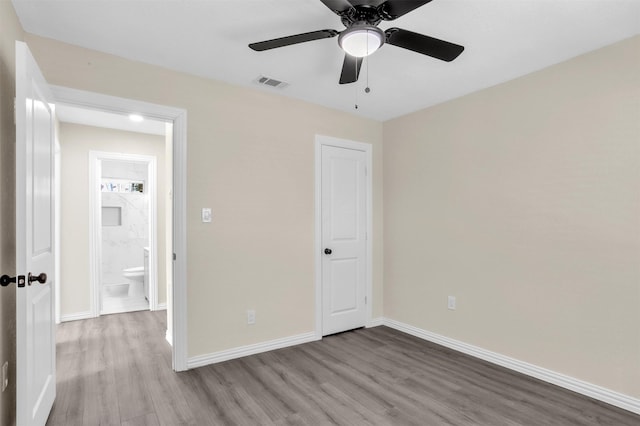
[[5, 280], [42, 278], [327, 251]]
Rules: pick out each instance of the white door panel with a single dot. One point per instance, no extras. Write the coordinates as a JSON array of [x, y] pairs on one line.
[[344, 295], [344, 230], [35, 321], [344, 198]]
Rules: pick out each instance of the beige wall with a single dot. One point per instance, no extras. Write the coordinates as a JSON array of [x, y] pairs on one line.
[[10, 31], [75, 143], [523, 201], [251, 159]]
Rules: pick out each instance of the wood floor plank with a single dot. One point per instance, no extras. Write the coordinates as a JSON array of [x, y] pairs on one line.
[[101, 405], [164, 390], [116, 370], [145, 420]]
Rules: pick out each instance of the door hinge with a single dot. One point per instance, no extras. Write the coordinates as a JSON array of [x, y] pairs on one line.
[[174, 256]]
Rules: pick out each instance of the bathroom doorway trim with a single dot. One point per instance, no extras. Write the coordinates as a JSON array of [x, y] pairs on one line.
[[95, 235], [178, 117]]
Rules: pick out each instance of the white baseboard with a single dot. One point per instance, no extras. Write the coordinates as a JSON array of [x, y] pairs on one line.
[[77, 316], [161, 307], [375, 322], [202, 360], [594, 391], [125, 309], [169, 337]]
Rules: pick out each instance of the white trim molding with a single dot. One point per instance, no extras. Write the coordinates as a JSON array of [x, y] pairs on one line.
[[178, 117], [588, 389], [242, 351], [375, 322], [367, 148], [77, 316]]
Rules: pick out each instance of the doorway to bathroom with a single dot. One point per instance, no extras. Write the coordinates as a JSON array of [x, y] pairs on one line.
[[72, 221], [124, 243], [115, 214]]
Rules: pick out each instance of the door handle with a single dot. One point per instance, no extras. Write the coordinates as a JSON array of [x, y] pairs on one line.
[[327, 251], [5, 280], [42, 278]]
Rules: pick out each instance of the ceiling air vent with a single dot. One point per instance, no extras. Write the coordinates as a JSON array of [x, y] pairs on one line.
[[271, 82]]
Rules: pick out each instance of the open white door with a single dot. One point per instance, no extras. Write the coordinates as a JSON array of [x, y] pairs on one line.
[[35, 320]]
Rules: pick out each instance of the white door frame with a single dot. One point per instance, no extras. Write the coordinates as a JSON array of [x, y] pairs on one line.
[[95, 224], [368, 150], [178, 117]]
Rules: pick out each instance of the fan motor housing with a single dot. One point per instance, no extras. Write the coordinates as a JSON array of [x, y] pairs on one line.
[[361, 15]]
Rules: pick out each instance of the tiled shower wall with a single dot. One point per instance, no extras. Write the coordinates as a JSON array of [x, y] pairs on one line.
[[122, 246]]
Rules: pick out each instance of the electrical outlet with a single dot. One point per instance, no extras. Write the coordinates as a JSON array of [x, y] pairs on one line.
[[451, 303], [5, 375], [251, 317]]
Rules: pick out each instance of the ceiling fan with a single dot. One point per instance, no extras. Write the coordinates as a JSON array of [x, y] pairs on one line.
[[362, 36]]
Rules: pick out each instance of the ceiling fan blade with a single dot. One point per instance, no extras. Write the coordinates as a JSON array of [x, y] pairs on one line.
[[426, 45], [293, 39], [339, 7], [350, 69], [393, 9]]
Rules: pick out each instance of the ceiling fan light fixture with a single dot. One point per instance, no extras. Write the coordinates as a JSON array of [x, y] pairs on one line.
[[360, 41]]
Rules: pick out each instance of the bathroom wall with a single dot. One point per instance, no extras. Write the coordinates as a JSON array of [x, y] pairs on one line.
[[122, 246]]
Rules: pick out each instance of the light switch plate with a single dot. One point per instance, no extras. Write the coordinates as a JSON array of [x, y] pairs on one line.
[[206, 215], [451, 303]]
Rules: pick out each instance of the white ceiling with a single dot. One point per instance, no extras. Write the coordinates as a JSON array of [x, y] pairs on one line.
[[91, 117], [503, 39]]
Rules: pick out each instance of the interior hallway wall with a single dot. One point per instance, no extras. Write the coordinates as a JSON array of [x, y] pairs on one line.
[[523, 201], [10, 31], [251, 159], [75, 143]]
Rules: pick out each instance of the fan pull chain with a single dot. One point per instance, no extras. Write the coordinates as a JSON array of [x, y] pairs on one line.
[[356, 65], [367, 89], [356, 94]]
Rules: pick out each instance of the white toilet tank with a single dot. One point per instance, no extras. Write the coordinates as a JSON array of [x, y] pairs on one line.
[[136, 271]]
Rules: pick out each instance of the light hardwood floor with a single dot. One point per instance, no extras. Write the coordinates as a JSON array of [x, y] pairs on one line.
[[116, 370]]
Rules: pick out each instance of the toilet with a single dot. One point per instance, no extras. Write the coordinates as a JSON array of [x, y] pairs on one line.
[[135, 272], [135, 276]]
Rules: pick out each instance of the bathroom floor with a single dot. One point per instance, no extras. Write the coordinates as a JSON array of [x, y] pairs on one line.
[[116, 299]]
